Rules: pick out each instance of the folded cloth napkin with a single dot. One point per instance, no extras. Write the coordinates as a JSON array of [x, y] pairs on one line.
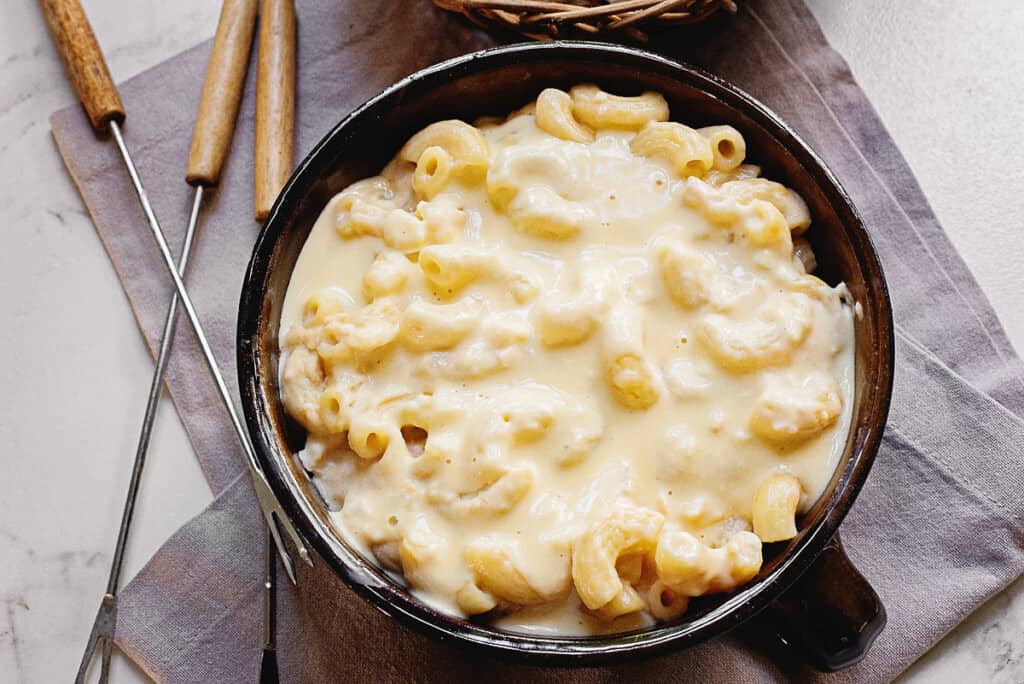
[[938, 528]]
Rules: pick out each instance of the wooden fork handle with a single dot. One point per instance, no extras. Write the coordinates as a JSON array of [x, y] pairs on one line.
[[222, 92], [83, 60], [275, 103]]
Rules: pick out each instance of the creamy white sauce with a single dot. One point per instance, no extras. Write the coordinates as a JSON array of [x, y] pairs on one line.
[[529, 446]]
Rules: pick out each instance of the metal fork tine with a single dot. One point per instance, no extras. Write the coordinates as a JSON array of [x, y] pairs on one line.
[[108, 646], [102, 631], [90, 649]]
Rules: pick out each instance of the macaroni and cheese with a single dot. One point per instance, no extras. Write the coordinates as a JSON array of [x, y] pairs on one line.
[[569, 369]]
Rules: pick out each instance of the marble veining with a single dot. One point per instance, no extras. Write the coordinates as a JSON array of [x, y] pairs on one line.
[[75, 370], [9, 635], [21, 619]]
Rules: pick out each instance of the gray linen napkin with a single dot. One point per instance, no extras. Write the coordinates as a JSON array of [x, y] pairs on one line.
[[938, 528]]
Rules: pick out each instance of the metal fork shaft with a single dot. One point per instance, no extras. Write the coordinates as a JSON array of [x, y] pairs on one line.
[[272, 511], [268, 660], [153, 401], [106, 617]]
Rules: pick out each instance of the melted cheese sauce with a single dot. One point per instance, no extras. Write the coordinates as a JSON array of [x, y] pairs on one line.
[[487, 380]]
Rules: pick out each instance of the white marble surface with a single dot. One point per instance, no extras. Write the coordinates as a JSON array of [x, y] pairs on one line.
[[944, 76]]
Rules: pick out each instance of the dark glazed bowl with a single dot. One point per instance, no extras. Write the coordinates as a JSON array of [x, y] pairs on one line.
[[817, 600]]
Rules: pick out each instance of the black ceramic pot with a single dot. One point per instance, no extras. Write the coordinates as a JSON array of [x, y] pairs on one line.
[[814, 597]]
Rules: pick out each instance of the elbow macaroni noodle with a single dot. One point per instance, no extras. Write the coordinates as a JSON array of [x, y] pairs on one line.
[[568, 369]]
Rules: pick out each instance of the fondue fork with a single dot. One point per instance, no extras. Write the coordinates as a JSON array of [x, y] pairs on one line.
[[90, 78], [275, 125], [218, 108], [92, 83]]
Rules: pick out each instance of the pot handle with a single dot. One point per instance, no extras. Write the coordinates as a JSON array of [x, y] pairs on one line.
[[831, 615]]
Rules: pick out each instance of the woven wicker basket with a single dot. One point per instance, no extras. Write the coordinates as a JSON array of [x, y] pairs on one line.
[[601, 19]]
